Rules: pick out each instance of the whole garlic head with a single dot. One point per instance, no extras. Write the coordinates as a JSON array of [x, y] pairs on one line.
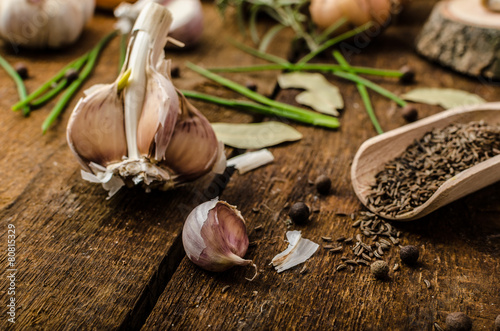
[[141, 129], [44, 23]]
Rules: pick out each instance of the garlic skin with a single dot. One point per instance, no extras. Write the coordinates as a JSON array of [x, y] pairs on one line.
[[145, 133], [44, 23], [187, 25], [215, 237]]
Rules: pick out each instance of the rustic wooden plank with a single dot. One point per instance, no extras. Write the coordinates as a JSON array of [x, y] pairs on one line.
[[84, 262], [458, 244]]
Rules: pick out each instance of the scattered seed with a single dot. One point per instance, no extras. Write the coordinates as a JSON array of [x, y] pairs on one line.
[[344, 258], [409, 113], [396, 267], [348, 240], [361, 261], [71, 75], [427, 283], [341, 267], [328, 247], [340, 239], [255, 209], [366, 257], [225, 288], [408, 76], [351, 262], [356, 224], [303, 270], [437, 327], [327, 239], [337, 249], [251, 86], [258, 227]]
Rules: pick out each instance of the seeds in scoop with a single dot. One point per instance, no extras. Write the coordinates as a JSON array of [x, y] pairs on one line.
[[458, 321], [21, 69], [379, 269], [409, 113], [409, 254], [299, 213], [323, 184]]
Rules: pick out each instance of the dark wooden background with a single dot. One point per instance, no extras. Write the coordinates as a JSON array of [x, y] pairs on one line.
[[84, 262]]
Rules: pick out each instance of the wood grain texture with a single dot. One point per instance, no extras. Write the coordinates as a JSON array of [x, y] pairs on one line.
[[459, 244], [84, 262]]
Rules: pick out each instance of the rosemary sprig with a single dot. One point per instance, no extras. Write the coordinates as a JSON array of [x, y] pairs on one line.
[[76, 84], [21, 89], [274, 107]]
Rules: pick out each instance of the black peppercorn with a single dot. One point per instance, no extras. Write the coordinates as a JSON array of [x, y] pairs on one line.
[[175, 72], [323, 184], [409, 113], [380, 269], [409, 254], [458, 321], [21, 70], [71, 75], [497, 323], [299, 213], [408, 75], [251, 86]]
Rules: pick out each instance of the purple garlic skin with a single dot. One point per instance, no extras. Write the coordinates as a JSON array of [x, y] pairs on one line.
[[215, 236]]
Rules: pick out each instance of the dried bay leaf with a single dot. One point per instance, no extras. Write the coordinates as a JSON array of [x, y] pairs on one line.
[[320, 95], [255, 135], [445, 97]]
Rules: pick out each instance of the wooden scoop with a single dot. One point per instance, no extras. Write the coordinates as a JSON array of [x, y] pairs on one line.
[[377, 151]]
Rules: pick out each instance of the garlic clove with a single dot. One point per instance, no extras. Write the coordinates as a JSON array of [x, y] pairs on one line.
[[96, 130], [193, 150], [158, 117], [215, 237]]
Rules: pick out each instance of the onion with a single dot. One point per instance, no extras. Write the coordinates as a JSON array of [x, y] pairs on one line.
[[325, 13]]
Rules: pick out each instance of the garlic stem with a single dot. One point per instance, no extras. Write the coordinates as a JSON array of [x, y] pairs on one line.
[[149, 36]]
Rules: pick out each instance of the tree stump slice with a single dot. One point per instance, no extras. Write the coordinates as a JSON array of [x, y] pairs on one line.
[[464, 36]]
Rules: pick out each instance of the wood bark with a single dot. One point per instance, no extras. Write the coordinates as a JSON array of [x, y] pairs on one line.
[[464, 36]]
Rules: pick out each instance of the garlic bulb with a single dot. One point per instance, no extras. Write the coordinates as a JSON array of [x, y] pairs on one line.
[[215, 237], [187, 25], [140, 129], [43, 23], [325, 13]]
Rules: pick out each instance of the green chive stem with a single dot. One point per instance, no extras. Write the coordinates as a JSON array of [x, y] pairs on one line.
[[260, 109], [21, 89], [307, 115], [309, 67], [259, 54], [76, 84], [363, 92], [43, 88], [334, 41]]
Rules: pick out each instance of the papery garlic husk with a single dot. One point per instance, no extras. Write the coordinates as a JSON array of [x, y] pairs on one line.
[[215, 237], [44, 23], [141, 129], [187, 25]]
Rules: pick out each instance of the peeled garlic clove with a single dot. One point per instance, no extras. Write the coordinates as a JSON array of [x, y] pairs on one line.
[[158, 117], [215, 237], [96, 132], [193, 149]]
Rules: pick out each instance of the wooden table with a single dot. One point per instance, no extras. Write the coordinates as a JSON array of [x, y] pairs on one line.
[[84, 262]]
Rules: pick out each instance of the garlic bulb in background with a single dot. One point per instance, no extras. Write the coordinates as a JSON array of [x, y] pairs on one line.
[[325, 13], [44, 23], [215, 237], [140, 129], [187, 24]]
